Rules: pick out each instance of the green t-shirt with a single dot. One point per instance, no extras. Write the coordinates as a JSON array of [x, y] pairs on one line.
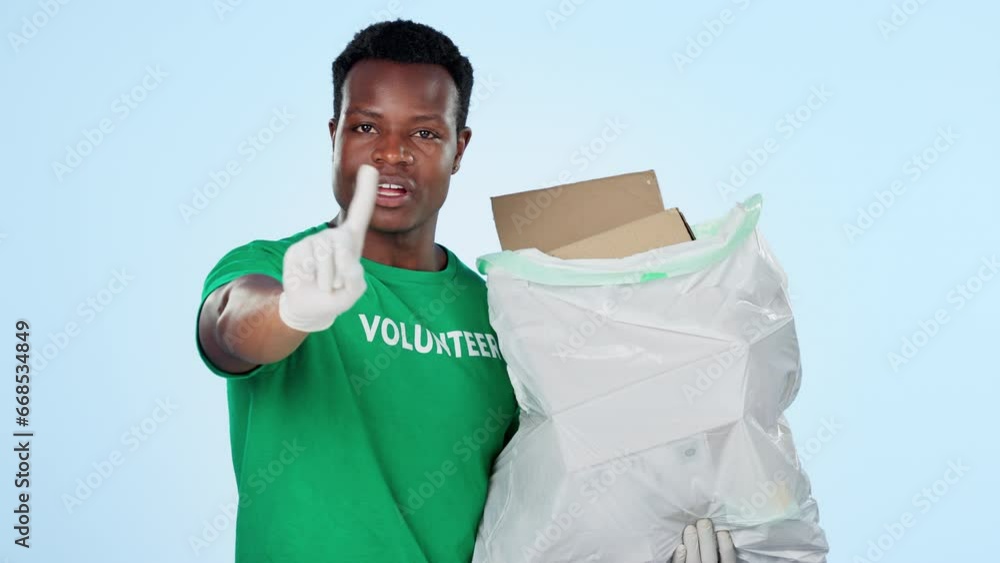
[[373, 442]]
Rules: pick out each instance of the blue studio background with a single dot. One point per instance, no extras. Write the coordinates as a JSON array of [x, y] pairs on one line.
[[870, 127]]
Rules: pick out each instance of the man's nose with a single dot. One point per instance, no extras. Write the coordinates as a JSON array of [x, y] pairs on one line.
[[391, 149]]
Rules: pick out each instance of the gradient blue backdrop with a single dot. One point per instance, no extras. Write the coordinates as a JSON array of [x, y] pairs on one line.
[[218, 74]]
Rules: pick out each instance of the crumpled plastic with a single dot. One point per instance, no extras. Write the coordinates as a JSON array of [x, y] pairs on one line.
[[652, 390]]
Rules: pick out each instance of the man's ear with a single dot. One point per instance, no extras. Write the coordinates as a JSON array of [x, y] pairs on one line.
[[333, 132], [464, 136]]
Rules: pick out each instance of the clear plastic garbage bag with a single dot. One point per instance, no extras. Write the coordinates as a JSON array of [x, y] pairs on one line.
[[651, 391]]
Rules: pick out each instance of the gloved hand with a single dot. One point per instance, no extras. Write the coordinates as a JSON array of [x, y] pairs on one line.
[[700, 545], [322, 273]]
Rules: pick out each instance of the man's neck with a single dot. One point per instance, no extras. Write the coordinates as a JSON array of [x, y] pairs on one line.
[[412, 250]]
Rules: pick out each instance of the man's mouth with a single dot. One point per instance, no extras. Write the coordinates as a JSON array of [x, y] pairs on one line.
[[391, 190]]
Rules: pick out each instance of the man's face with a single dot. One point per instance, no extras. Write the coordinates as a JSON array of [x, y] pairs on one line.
[[399, 118]]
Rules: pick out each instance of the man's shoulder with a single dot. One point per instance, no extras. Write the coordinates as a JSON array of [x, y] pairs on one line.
[[464, 272], [259, 256], [276, 245]]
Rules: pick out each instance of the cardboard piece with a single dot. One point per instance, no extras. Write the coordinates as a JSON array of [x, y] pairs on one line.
[[609, 217], [552, 217], [655, 231]]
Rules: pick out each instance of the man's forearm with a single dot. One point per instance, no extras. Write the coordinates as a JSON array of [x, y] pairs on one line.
[[243, 321]]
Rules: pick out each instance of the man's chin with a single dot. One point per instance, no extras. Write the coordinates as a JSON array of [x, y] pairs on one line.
[[394, 221]]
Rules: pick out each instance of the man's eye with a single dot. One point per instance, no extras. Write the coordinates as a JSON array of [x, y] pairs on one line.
[[425, 134], [365, 128]]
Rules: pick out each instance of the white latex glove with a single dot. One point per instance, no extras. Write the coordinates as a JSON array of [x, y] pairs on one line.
[[322, 273], [701, 546]]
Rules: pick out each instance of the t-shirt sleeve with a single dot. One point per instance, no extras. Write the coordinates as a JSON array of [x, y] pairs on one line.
[[258, 257]]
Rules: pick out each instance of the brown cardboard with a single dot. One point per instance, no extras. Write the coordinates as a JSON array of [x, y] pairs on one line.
[[549, 218], [609, 217], [655, 231]]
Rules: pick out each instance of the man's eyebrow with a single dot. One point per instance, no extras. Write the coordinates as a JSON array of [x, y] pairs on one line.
[[376, 115], [427, 117], [364, 112]]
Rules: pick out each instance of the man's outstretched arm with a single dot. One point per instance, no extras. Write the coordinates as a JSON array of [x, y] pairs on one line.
[[255, 319], [240, 328]]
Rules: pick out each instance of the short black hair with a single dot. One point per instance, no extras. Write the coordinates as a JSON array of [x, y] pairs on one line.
[[405, 41]]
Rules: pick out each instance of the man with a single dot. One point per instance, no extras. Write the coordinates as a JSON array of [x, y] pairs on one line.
[[367, 394]]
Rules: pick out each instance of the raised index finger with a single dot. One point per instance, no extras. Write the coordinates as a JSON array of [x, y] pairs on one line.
[[359, 214]]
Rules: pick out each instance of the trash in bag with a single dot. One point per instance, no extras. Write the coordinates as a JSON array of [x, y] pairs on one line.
[[652, 390]]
